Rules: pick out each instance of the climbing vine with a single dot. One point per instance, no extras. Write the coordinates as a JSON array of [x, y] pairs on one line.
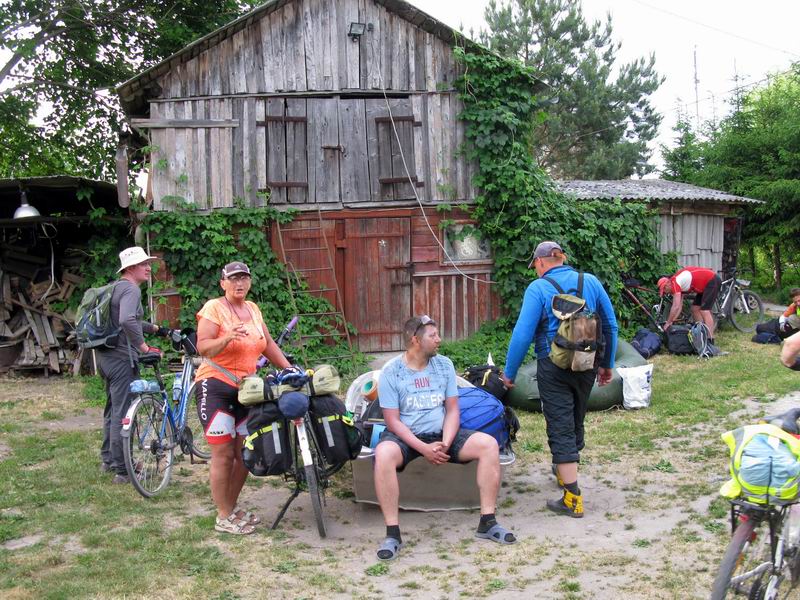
[[518, 205], [196, 245]]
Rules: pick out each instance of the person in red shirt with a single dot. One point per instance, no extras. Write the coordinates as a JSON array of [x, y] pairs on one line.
[[704, 283]]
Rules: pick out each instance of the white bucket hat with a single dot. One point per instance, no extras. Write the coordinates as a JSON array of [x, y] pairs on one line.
[[132, 256]]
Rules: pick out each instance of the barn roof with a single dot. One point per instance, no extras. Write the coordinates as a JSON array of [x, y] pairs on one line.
[[655, 190], [401, 8]]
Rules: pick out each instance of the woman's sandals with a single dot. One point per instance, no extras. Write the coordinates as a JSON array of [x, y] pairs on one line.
[[234, 525], [246, 516]]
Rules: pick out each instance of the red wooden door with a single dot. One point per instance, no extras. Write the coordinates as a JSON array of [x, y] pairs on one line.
[[377, 281]]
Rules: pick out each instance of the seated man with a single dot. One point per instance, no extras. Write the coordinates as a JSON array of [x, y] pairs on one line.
[[788, 323], [790, 354], [419, 398], [705, 284]]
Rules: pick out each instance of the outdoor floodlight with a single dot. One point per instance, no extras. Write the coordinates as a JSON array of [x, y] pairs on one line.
[[356, 31]]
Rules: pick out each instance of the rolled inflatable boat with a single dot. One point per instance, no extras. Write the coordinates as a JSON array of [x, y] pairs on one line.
[[525, 393]]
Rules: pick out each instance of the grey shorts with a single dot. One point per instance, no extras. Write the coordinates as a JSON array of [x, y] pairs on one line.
[[410, 454]]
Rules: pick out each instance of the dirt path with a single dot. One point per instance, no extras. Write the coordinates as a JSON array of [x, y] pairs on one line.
[[647, 531]]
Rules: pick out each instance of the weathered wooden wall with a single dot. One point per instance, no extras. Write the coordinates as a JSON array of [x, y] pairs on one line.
[[288, 107], [303, 46], [389, 267], [335, 151]]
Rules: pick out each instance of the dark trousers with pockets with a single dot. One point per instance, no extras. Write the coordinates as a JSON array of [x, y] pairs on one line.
[[564, 395], [118, 374]]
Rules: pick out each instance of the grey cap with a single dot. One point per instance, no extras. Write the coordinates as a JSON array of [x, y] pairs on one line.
[[234, 268], [544, 250]]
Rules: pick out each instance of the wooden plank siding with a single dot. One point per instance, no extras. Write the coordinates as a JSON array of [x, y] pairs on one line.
[[390, 267], [302, 46]]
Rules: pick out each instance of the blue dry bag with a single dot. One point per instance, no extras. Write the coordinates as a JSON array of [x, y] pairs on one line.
[[481, 411]]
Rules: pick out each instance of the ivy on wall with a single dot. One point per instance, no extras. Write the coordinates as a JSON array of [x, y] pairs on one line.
[[518, 205]]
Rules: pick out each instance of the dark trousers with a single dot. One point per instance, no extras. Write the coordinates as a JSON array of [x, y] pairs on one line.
[[118, 374], [564, 395]]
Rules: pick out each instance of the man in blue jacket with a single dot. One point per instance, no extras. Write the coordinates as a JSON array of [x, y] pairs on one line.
[[564, 393]]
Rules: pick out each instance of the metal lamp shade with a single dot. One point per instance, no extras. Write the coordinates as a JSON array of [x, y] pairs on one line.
[[25, 210]]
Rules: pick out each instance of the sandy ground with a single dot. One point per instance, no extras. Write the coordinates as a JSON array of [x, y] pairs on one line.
[[646, 533]]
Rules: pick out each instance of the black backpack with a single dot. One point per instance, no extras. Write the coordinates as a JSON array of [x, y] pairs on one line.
[[338, 437], [679, 341], [266, 449], [487, 377]]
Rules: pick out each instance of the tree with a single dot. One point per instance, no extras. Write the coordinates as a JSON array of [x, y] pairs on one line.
[[599, 118], [755, 152], [683, 162], [58, 112]]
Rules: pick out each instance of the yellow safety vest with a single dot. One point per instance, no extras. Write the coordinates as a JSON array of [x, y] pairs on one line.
[[736, 487]]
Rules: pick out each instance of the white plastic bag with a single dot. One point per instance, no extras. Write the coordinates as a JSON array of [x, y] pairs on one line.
[[636, 389]]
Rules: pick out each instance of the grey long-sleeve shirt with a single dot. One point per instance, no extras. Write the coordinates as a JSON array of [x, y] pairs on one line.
[[126, 310]]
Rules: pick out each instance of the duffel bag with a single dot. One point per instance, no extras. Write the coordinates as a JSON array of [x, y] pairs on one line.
[[481, 411], [266, 448], [679, 341], [338, 437], [487, 377], [646, 342]]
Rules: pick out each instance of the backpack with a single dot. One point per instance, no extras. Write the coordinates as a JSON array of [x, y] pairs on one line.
[[93, 325], [487, 377], [579, 336], [481, 411], [699, 336], [764, 464], [678, 341], [646, 342], [765, 337], [266, 448], [338, 438]]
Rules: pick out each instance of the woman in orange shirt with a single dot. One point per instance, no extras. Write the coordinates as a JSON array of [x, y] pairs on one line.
[[231, 336]]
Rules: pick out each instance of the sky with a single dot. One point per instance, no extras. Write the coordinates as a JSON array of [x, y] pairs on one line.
[[731, 38]]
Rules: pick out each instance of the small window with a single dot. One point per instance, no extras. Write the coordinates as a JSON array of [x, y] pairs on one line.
[[464, 244]]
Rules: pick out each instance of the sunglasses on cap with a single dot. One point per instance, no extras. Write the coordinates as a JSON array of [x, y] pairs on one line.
[[423, 321]]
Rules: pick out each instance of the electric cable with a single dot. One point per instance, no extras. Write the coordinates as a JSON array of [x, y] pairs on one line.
[[413, 187]]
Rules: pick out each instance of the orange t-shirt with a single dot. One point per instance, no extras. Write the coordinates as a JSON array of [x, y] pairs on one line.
[[240, 355]]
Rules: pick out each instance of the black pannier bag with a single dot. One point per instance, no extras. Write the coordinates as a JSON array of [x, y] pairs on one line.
[[266, 448], [338, 437], [679, 341], [487, 377]]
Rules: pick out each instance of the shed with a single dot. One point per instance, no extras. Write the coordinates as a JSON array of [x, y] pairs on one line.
[[699, 224], [346, 111]]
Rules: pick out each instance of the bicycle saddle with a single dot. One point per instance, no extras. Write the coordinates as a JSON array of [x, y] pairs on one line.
[[786, 421], [150, 359]]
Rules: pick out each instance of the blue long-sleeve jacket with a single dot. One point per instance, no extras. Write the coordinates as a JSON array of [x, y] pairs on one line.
[[536, 317]]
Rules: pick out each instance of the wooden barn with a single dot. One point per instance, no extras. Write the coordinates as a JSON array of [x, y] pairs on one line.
[[699, 224], [296, 104]]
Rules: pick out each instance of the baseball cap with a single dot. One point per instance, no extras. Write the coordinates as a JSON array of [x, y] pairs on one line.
[[414, 324], [544, 250], [234, 268]]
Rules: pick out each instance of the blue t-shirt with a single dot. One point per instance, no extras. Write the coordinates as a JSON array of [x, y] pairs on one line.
[[419, 395]]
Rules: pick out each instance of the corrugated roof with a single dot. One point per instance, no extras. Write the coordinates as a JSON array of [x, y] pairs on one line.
[[648, 189]]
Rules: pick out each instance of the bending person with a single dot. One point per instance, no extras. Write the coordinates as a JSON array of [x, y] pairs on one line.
[[418, 395], [232, 332], [705, 284]]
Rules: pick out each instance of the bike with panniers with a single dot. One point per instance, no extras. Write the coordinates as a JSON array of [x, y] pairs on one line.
[[297, 428], [762, 561]]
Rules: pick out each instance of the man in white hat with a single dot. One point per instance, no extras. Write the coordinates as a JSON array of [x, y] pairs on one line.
[[117, 365]]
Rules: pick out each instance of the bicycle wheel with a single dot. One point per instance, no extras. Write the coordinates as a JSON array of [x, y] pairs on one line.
[[747, 311], [148, 455], [745, 562], [316, 498], [200, 447]]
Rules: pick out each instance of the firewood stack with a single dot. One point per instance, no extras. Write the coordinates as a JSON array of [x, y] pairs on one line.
[[34, 327]]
